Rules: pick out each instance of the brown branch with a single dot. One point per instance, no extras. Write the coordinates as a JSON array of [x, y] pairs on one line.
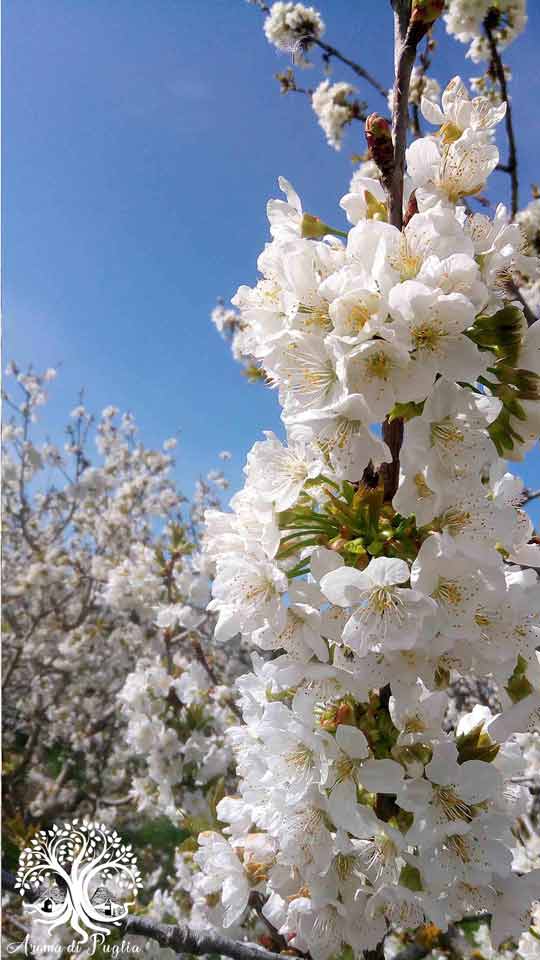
[[529, 495], [360, 71], [516, 294], [202, 658], [497, 68], [407, 35], [331, 51], [182, 938], [392, 433]]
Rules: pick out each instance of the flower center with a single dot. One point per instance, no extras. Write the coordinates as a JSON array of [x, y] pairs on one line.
[[378, 366], [426, 336], [449, 592], [453, 807], [446, 433]]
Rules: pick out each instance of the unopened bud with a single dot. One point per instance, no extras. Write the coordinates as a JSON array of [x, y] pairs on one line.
[[313, 227], [345, 714], [412, 208], [379, 140], [426, 11]]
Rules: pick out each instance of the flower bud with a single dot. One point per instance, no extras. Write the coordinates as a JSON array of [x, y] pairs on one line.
[[379, 140], [412, 208], [345, 714], [313, 227], [426, 11]]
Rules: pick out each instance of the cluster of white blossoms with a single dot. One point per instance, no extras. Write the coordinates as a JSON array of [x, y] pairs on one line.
[[290, 26], [333, 110], [529, 221], [465, 20], [422, 85], [359, 809], [176, 722]]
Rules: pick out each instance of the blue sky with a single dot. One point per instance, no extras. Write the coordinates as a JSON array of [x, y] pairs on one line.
[[142, 139]]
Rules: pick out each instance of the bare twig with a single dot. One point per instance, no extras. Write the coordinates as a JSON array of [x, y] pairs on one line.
[[529, 495], [203, 660], [497, 67], [516, 294], [360, 71]]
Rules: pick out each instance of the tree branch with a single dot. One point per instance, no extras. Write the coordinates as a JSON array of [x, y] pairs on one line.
[[407, 36], [392, 432], [497, 68], [360, 71], [182, 938], [516, 294], [331, 51]]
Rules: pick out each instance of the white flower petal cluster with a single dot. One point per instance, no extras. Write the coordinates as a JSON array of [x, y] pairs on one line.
[[290, 26], [371, 811], [333, 111], [176, 724], [529, 221], [465, 20]]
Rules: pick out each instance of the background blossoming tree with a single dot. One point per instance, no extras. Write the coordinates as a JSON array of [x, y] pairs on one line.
[[115, 704]]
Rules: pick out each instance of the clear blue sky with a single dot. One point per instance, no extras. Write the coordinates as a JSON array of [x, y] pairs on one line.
[[142, 139]]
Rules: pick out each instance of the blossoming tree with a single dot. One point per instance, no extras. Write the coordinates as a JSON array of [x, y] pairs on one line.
[[115, 705]]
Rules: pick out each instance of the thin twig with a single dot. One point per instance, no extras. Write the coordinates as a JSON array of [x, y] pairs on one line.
[[516, 294], [360, 71], [203, 660], [331, 51], [498, 68]]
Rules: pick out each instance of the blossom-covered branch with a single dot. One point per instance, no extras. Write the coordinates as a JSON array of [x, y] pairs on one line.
[[369, 802]]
